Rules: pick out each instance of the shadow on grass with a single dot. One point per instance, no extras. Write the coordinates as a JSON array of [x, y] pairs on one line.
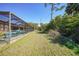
[[63, 41], [67, 42], [2, 41], [57, 40], [41, 32]]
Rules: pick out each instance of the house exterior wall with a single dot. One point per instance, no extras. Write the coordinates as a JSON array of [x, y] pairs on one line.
[[3, 26]]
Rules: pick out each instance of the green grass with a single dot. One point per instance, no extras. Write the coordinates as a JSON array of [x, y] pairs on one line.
[[36, 44]]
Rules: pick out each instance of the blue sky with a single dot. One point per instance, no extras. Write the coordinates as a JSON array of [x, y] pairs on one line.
[[30, 12]]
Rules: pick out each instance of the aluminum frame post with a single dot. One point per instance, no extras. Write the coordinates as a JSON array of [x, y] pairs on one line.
[[9, 27]]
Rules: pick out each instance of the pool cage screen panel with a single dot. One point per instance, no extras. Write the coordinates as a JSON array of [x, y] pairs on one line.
[[10, 22]]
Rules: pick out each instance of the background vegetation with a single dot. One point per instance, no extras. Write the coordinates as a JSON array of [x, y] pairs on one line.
[[67, 25]]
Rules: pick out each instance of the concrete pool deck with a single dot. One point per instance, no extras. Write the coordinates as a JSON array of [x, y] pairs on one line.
[[12, 40]]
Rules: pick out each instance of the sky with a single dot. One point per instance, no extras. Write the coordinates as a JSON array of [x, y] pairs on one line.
[[30, 12]]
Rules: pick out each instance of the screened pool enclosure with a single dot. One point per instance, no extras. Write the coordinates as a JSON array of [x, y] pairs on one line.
[[12, 26]]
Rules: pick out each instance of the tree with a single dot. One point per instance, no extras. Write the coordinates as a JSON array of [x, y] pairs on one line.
[[43, 27], [54, 7], [72, 8], [33, 25], [57, 21]]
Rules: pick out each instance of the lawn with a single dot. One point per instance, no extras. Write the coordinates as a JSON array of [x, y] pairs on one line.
[[35, 44]]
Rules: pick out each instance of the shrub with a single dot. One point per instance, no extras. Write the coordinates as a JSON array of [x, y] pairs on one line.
[[70, 45], [58, 38]]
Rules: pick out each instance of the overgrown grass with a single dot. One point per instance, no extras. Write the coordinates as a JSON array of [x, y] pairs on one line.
[[57, 38], [36, 44]]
